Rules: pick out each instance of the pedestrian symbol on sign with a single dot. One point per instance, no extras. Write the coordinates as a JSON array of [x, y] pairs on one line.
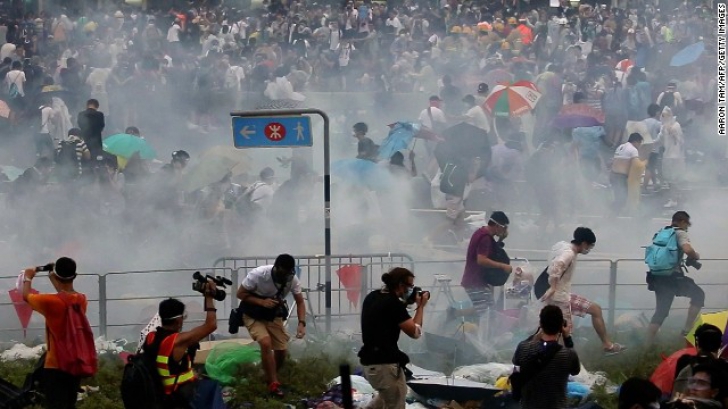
[[275, 131]]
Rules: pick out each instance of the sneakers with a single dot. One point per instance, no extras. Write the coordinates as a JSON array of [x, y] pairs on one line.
[[275, 389], [614, 349]]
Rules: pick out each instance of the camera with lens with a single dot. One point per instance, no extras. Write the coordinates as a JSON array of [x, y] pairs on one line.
[[415, 292], [47, 267], [694, 263], [200, 281]]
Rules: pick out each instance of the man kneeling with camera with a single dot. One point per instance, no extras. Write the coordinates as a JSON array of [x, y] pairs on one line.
[[175, 350], [262, 301], [384, 315]]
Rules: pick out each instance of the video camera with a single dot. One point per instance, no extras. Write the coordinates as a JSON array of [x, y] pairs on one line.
[[691, 262], [415, 292], [200, 281], [47, 267]]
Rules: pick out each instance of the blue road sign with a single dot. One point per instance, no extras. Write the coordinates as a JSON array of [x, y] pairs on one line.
[[272, 132]]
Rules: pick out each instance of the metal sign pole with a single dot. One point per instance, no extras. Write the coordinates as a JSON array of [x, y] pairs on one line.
[[327, 185]]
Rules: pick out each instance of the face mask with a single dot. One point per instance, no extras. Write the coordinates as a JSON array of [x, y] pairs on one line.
[[587, 251], [407, 294]]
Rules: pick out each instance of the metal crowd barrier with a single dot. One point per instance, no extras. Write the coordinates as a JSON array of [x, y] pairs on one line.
[[126, 299], [312, 271], [624, 279]]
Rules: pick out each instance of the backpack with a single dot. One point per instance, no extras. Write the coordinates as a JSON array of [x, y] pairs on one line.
[[520, 377], [245, 204], [76, 350], [67, 162], [141, 385], [453, 180], [663, 255], [668, 100], [13, 91], [495, 276]]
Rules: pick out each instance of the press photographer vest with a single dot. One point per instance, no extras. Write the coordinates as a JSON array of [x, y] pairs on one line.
[[171, 382]]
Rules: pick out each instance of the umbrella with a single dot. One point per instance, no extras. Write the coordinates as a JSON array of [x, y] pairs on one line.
[[578, 115], [350, 278], [719, 319], [22, 309], [512, 100], [688, 55], [447, 388], [664, 375], [4, 109], [400, 135], [361, 172], [125, 145], [238, 155], [463, 142], [207, 171]]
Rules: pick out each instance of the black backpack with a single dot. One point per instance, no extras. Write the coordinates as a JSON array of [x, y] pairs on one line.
[[141, 385], [668, 100], [68, 166], [495, 276]]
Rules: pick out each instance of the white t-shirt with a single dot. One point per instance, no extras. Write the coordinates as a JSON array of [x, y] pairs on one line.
[[239, 28], [18, 78], [260, 282], [173, 33], [437, 116], [562, 263], [626, 151], [476, 116], [396, 24], [262, 194]]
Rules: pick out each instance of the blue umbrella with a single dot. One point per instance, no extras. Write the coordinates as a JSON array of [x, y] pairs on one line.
[[361, 172], [398, 139], [687, 55]]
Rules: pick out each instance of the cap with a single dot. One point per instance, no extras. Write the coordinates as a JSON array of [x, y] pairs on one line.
[[435, 98], [500, 218]]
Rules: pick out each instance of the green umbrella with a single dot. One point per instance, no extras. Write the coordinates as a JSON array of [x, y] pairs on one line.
[[125, 145], [207, 171]]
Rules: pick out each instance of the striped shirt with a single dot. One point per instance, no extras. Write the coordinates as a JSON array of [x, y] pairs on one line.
[[81, 148], [547, 389]]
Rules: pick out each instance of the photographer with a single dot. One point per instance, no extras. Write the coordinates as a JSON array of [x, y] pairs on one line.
[[175, 350], [262, 301], [384, 315], [59, 387], [672, 282], [544, 364]]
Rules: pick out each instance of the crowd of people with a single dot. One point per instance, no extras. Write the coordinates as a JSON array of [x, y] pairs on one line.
[[123, 68]]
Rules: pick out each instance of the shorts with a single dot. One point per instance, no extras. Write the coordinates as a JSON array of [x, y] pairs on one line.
[[454, 206], [655, 162], [260, 329], [577, 306]]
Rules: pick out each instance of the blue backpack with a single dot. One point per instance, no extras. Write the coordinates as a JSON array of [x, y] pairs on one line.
[[663, 256]]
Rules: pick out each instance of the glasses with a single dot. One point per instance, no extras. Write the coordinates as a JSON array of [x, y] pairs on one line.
[[183, 316], [698, 384]]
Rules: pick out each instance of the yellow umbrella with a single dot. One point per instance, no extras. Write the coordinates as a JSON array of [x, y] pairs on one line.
[[719, 319], [240, 157]]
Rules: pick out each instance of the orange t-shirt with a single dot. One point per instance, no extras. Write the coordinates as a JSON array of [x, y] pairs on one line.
[[53, 308]]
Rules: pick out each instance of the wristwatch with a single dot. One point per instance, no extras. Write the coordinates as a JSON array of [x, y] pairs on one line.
[[213, 309]]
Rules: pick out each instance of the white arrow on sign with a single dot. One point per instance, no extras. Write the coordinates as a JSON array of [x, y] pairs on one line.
[[245, 132]]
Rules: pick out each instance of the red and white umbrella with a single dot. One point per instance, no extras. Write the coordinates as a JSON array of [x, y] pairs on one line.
[[512, 100]]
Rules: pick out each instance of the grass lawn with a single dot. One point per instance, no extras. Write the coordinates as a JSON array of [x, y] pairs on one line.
[[318, 362]]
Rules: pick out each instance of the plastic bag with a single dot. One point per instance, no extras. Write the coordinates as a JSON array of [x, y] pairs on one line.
[[358, 383], [485, 373], [225, 359]]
